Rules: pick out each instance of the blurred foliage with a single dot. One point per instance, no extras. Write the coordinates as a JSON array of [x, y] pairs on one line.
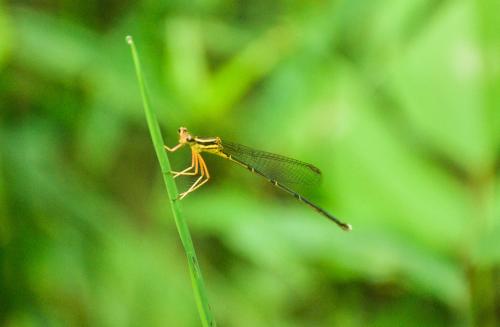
[[398, 103]]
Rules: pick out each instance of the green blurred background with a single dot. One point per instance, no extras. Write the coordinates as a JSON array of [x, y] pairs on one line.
[[396, 101]]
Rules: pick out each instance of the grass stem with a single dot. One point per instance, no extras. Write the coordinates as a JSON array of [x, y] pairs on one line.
[[154, 128]]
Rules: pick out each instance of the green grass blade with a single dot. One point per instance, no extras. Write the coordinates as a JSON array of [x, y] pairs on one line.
[[154, 128]]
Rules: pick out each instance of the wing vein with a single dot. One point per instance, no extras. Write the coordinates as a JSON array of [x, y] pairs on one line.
[[277, 167]]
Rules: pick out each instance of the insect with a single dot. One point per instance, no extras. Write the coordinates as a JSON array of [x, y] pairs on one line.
[[278, 170]]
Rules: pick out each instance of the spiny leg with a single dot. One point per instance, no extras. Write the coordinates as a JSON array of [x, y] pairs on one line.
[[203, 166], [183, 194], [202, 174], [194, 164], [203, 171]]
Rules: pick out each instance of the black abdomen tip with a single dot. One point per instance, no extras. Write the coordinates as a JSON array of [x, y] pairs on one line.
[[346, 227]]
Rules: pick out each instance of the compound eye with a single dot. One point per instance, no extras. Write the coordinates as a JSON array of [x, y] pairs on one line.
[[179, 131]]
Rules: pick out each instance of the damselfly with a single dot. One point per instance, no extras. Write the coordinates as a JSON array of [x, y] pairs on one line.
[[278, 170]]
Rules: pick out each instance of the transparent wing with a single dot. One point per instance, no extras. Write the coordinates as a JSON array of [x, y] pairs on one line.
[[280, 168]]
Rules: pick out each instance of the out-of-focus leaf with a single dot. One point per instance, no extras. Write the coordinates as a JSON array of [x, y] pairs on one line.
[[5, 34], [484, 251], [488, 26], [187, 64], [446, 57], [101, 134], [356, 174], [54, 47], [4, 218], [284, 239], [236, 77]]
